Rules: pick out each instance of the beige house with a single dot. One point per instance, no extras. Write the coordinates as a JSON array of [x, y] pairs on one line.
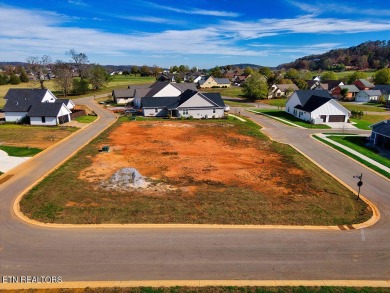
[[210, 81], [280, 90]]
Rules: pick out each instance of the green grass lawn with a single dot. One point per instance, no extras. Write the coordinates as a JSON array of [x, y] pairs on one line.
[[369, 165], [86, 119], [284, 115], [242, 104], [360, 107], [367, 120], [303, 198], [20, 151], [274, 102], [233, 91], [358, 144]]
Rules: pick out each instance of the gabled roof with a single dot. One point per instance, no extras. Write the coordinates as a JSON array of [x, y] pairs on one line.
[[156, 87], [34, 95], [284, 87], [366, 83], [331, 83], [382, 128], [185, 86], [372, 92], [351, 88], [216, 98], [153, 102], [17, 105], [45, 109], [314, 102], [123, 93], [305, 95], [222, 80], [385, 89]]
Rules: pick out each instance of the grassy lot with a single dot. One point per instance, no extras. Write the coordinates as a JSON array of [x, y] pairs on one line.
[[367, 120], [284, 115], [243, 104], [233, 91], [298, 197], [32, 136], [86, 119], [358, 144], [274, 102], [20, 151], [369, 165], [360, 107], [118, 81], [217, 289]]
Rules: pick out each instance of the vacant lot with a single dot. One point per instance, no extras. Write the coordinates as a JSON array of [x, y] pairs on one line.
[[223, 172], [32, 136]]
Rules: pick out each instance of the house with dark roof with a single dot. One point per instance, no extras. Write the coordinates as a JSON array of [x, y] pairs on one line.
[[161, 89], [210, 81], [316, 106], [188, 104], [385, 90], [40, 105], [366, 96], [380, 135]]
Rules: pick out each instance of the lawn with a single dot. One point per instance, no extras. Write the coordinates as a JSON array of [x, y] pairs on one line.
[[360, 107], [20, 151], [274, 102], [86, 119], [220, 172], [233, 91], [290, 118], [367, 120], [32, 136], [243, 104], [358, 144]]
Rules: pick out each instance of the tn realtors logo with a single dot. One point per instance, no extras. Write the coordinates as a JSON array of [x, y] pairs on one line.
[[30, 279]]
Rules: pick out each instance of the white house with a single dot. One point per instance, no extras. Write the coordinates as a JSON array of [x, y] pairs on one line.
[[33, 103], [316, 106], [189, 104], [161, 89], [210, 81], [368, 96], [380, 135], [279, 90]]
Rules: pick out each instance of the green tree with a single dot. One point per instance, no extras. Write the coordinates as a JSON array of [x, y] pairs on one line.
[[3, 79], [178, 78], [255, 87], [266, 71], [248, 70], [301, 84], [354, 76], [216, 72], [329, 75], [23, 76], [145, 71], [80, 86], [99, 77], [382, 76], [305, 74], [14, 79], [64, 76], [291, 74], [174, 69], [134, 70], [344, 93]]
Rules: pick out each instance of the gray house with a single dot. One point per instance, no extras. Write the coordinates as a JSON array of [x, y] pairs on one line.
[[380, 135]]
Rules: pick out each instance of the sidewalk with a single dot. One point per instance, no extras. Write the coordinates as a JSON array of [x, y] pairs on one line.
[[371, 161]]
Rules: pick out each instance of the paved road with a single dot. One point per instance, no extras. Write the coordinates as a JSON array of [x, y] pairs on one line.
[[142, 254]]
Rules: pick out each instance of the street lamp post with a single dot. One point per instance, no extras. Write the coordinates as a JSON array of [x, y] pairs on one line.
[[359, 184]]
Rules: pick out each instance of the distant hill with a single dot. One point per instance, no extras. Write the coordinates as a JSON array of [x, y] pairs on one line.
[[368, 55]]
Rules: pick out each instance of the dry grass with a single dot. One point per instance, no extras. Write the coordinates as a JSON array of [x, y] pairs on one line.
[[283, 190]]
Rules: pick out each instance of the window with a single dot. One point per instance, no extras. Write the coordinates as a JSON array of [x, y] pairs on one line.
[[185, 112], [214, 111], [43, 118], [155, 110]]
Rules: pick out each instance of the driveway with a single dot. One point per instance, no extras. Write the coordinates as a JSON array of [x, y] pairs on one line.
[[7, 162], [92, 254]]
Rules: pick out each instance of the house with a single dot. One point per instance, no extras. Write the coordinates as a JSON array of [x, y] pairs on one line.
[[385, 90], [352, 91], [380, 135], [368, 96], [316, 106], [125, 96], [189, 104], [39, 105], [279, 90], [161, 89], [210, 81], [363, 84]]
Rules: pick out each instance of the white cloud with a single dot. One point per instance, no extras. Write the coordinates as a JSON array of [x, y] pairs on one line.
[[151, 19], [77, 3]]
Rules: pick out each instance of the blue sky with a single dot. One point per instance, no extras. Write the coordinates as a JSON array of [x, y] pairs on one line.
[[201, 33]]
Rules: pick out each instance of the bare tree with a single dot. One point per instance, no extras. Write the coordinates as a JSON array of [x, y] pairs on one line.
[[64, 76], [80, 61], [39, 67]]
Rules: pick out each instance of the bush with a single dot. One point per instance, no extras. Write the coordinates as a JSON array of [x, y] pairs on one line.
[[14, 79]]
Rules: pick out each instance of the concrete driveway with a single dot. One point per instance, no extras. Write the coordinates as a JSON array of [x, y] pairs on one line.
[[93, 254], [7, 162]]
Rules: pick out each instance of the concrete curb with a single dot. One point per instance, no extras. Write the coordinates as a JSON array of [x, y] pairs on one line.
[[197, 283], [18, 213], [361, 164], [277, 119]]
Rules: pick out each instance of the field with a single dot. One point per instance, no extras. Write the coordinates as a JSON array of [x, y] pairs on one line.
[[222, 172], [32, 136], [233, 91], [118, 81], [367, 120], [365, 108]]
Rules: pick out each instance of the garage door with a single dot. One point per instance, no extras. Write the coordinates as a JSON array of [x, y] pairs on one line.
[[63, 119], [336, 118]]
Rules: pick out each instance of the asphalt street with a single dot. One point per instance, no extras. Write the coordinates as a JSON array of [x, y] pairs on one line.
[[91, 254]]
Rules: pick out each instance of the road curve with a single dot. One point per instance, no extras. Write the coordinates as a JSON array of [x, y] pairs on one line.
[[183, 254]]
